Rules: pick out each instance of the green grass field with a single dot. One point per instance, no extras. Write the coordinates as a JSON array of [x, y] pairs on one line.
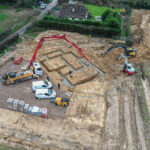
[[7, 148], [3, 7], [97, 10], [3, 16]]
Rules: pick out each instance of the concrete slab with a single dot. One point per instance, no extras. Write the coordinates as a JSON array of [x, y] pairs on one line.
[[83, 75], [66, 50], [65, 70], [76, 53], [41, 59], [54, 64], [57, 78], [84, 61], [73, 61], [47, 50], [54, 54]]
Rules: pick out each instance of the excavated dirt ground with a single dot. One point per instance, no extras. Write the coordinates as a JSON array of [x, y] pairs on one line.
[[23, 91], [104, 112]]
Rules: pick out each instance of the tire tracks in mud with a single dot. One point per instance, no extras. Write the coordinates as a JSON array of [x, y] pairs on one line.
[[146, 90], [123, 126], [139, 123]]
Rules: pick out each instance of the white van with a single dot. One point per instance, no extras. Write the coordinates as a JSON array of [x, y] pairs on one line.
[[44, 93], [43, 6], [37, 69], [41, 85]]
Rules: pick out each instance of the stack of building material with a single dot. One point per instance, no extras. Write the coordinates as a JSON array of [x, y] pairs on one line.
[[20, 105]]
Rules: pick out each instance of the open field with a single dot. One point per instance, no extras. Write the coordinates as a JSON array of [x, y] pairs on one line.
[[7, 148], [3, 16], [3, 7], [9, 18]]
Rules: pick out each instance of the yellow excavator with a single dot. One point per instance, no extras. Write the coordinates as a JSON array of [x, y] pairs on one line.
[[129, 51]]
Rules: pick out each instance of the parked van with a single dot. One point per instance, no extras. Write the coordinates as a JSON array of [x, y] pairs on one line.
[[44, 93], [43, 6], [41, 85]]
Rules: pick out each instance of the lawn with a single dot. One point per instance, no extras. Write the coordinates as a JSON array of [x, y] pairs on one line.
[[7, 148], [97, 10], [3, 7], [3, 16]]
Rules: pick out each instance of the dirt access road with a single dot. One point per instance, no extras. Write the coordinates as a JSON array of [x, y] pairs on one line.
[[49, 7], [24, 28]]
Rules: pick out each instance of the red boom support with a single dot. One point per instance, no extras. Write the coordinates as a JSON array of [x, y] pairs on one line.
[[56, 37]]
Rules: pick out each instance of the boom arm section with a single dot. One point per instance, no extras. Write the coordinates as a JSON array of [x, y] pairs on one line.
[[125, 58], [115, 46], [55, 37]]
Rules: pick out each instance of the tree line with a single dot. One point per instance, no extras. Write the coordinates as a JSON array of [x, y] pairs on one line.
[[23, 2], [132, 3]]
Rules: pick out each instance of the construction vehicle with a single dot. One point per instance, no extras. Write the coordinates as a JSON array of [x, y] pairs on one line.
[[41, 85], [44, 93], [18, 60], [128, 51], [59, 101], [16, 77], [128, 68], [34, 69]]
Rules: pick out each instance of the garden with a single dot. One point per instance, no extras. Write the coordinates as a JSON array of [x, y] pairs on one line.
[[97, 10], [108, 27]]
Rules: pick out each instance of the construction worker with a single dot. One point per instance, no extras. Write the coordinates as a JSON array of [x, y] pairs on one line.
[[58, 85], [47, 79], [70, 72]]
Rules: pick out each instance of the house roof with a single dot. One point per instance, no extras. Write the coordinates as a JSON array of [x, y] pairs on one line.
[[74, 11]]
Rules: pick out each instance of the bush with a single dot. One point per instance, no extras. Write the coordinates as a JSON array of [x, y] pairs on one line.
[[129, 42], [80, 28], [87, 22], [108, 28], [113, 23], [84, 22], [106, 13]]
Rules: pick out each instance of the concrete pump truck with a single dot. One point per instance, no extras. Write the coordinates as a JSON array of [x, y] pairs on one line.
[[34, 69]]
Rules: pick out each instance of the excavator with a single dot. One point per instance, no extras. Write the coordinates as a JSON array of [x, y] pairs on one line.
[[128, 51], [127, 68], [34, 70]]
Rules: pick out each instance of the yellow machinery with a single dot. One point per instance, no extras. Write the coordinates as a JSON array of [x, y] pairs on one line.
[[128, 51], [34, 71], [60, 101], [15, 77]]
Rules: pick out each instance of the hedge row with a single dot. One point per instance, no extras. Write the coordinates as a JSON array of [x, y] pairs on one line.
[[85, 22], [80, 28], [88, 22]]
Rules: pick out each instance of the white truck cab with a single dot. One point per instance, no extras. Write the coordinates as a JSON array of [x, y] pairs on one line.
[[37, 69], [41, 85], [44, 93]]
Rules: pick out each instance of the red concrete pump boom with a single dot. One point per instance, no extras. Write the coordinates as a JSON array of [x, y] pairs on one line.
[[56, 37]]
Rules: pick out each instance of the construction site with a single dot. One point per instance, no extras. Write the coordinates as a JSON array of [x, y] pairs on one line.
[[105, 110]]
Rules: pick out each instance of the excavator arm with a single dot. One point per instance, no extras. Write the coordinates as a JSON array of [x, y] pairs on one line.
[[55, 37], [115, 46], [125, 58]]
